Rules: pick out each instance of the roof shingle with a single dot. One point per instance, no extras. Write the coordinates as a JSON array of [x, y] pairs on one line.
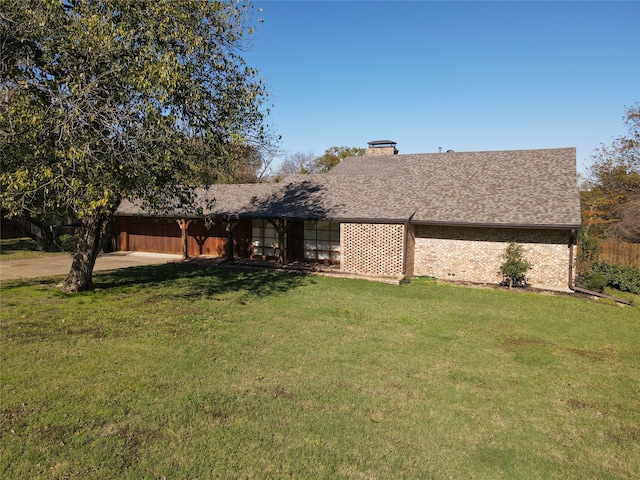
[[504, 188]]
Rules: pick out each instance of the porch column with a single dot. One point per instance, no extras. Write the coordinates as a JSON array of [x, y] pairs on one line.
[[230, 225], [184, 228], [280, 226]]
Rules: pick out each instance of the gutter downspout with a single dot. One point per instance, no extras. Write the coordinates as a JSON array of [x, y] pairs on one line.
[[584, 290]]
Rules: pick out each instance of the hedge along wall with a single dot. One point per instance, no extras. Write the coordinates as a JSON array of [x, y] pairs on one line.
[[372, 249], [475, 254]]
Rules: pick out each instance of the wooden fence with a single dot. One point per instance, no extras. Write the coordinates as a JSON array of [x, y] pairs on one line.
[[15, 228], [620, 253]]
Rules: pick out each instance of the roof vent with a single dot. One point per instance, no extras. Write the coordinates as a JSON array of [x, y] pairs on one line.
[[381, 147]]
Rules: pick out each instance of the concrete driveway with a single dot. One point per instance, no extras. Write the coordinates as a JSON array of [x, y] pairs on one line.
[[60, 265]]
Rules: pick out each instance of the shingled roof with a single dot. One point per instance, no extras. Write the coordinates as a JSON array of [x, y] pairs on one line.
[[517, 188]]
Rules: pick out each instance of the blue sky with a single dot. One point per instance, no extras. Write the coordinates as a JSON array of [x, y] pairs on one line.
[[466, 76]]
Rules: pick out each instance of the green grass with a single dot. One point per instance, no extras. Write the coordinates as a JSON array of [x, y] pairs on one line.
[[632, 297], [22, 248], [190, 372]]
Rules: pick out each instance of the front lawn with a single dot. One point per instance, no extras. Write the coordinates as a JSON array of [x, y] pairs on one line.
[[179, 371]]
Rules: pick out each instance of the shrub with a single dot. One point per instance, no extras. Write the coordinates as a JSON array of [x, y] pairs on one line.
[[515, 266], [594, 281], [595, 274], [67, 242], [588, 249], [46, 243], [625, 278]]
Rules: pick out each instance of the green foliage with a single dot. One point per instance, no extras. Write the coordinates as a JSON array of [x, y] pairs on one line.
[[113, 99], [306, 163], [333, 155], [53, 242], [625, 278], [591, 280], [611, 201], [595, 274], [47, 244], [515, 265], [587, 256], [67, 242], [119, 99], [588, 248]]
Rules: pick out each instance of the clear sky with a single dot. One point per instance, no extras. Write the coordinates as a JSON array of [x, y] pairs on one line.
[[461, 75]]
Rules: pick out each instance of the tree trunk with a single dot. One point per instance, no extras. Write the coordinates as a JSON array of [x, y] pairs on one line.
[[90, 234]]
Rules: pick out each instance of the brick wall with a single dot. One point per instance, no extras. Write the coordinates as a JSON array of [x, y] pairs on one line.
[[474, 254], [372, 249], [381, 151]]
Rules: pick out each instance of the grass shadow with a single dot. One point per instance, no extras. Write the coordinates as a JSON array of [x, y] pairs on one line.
[[48, 282], [203, 280], [24, 248], [9, 246]]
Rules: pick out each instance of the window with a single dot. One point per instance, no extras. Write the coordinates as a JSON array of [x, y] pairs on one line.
[[322, 241], [264, 238]]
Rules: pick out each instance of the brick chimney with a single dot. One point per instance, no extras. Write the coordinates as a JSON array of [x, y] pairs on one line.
[[381, 147]]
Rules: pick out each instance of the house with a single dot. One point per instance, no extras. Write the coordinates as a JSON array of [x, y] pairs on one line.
[[446, 215]]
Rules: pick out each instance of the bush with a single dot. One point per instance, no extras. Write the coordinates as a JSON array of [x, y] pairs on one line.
[[625, 278], [67, 242], [595, 274], [515, 266], [46, 243], [588, 249], [594, 281]]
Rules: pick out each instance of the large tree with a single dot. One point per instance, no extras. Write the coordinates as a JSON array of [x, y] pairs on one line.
[[304, 163], [103, 100], [611, 201], [332, 156], [252, 163], [297, 163]]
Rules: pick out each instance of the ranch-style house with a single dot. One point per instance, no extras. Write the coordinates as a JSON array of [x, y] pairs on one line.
[[446, 215]]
